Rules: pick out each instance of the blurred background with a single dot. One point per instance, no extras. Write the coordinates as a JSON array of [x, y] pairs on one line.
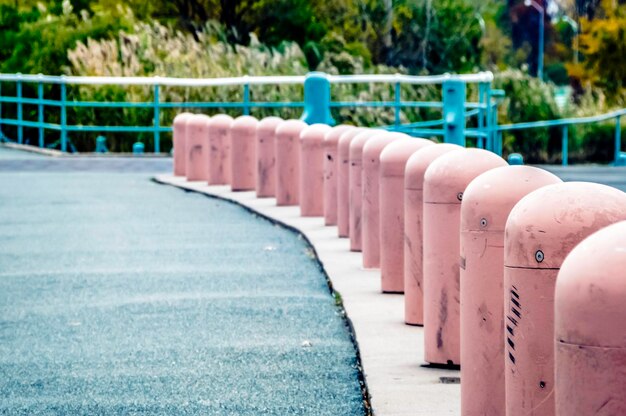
[[553, 58]]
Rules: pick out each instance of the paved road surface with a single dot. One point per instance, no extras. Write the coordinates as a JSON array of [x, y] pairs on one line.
[[121, 296]]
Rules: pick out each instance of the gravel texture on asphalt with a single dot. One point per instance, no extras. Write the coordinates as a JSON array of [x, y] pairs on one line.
[[121, 296]]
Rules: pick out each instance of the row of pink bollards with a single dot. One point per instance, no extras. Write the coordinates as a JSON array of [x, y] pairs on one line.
[[476, 247]]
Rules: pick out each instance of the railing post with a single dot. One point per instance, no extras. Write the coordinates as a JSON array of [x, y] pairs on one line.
[[397, 100], [20, 109], [246, 98], [317, 99], [618, 140], [564, 146], [157, 121], [40, 112], [480, 140], [63, 114], [454, 111]]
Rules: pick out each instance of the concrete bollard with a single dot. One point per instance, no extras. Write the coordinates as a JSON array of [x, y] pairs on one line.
[[287, 150], [355, 179], [590, 326], [487, 202], [540, 231], [391, 193], [331, 168], [343, 181], [312, 170], [219, 149], [445, 181], [197, 148], [243, 153], [413, 216], [370, 215], [266, 157], [179, 138]]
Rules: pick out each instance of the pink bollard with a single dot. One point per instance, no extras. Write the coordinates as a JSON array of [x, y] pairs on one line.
[[343, 181], [287, 150], [312, 170], [331, 167], [197, 148], [391, 193], [540, 231], [355, 178], [219, 149], [486, 205], [266, 157], [445, 181], [590, 326], [370, 215], [179, 138], [243, 153], [413, 198]]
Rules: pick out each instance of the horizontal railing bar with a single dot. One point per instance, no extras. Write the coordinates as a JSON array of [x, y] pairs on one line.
[[561, 122], [376, 104]]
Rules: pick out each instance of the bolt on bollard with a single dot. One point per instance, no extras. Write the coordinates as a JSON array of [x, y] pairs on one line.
[[266, 157], [486, 205], [179, 132], [413, 217], [243, 153], [331, 168], [355, 179], [590, 326], [197, 148], [343, 181], [219, 149], [391, 201], [370, 216], [287, 151], [540, 231], [312, 170], [445, 181]]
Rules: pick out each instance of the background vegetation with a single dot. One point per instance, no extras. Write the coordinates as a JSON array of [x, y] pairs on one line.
[[585, 49]]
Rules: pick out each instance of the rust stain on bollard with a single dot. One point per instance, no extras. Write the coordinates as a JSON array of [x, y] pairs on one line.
[[540, 232], [179, 128], [197, 148], [590, 326], [486, 205], [287, 150], [219, 149], [312, 170], [413, 217], [370, 215], [343, 181], [391, 193], [266, 157], [445, 181], [355, 179], [243, 153], [331, 171]]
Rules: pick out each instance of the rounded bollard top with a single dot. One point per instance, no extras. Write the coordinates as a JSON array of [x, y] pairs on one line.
[[375, 145], [289, 129], [221, 121], [245, 123], [393, 158], [447, 177], [182, 117], [332, 136], [490, 197], [590, 291], [358, 142], [419, 161], [268, 124], [314, 134], [198, 120], [546, 224]]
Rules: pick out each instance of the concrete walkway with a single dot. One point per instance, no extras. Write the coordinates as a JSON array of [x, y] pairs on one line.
[[122, 296]]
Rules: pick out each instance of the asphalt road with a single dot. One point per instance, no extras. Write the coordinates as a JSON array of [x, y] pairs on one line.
[[122, 296]]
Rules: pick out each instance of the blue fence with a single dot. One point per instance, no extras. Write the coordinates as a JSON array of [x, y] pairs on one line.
[[461, 118]]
